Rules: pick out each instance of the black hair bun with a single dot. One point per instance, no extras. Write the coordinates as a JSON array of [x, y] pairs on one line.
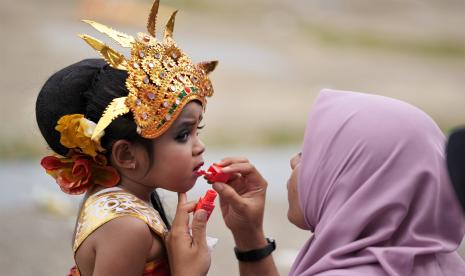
[[64, 93]]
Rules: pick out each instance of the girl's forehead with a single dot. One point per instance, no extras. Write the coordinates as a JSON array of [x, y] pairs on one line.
[[192, 110]]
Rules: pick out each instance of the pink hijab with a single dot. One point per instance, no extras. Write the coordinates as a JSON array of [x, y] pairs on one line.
[[374, 189]]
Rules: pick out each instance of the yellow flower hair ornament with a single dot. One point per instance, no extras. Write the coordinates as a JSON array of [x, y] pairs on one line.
[[76, 132]]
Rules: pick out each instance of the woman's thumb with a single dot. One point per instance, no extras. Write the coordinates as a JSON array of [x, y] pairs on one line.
[[227, 193]]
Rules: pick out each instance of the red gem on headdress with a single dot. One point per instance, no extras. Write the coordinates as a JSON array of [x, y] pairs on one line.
[[187, 89]]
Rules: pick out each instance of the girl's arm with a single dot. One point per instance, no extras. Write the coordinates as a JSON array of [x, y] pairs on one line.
[[122, 247]]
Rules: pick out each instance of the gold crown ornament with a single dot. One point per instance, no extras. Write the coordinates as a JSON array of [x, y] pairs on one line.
[[161, 80]]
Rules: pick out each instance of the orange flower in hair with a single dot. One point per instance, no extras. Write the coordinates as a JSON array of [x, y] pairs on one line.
[[76, 132], [79, 172]]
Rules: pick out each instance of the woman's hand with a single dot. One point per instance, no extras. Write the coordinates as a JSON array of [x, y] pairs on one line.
[[188, 254], [242, 202]]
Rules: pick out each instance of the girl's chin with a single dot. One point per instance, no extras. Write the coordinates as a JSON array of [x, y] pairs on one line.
[[188, 185], [181, 189]]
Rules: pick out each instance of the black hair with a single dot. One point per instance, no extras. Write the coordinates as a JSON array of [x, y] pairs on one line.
[[87, 87], [455, 153]]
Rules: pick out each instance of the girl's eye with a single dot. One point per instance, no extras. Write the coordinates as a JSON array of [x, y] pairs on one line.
[[182, 137]]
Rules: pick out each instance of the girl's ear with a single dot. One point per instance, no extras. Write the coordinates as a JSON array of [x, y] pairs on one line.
[[124, 154]]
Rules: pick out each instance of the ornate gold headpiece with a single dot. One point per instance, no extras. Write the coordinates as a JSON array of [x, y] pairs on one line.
[[161, 78]]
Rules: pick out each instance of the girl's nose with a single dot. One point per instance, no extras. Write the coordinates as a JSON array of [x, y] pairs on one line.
[[199, 147]]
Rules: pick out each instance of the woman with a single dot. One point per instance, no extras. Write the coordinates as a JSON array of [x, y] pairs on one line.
[[371, 185]]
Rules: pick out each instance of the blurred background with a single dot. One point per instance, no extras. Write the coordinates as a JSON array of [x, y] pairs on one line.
[[274, 56]]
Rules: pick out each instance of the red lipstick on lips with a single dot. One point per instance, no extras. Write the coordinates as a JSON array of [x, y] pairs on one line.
[[197, 169]]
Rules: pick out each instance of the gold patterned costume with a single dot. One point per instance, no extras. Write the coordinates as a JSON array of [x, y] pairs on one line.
[[112, 203]]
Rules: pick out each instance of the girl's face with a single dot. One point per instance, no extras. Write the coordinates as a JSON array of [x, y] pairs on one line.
[[177, 154], [294, 213]]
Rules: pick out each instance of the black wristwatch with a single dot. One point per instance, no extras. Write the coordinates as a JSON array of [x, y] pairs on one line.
[[256, 254]]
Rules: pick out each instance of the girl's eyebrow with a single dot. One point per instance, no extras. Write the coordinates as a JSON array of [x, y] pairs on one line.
[[188, 123], [185, 123]]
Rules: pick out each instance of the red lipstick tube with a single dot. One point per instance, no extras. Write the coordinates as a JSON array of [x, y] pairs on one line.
[[214, 174], [207, 202]]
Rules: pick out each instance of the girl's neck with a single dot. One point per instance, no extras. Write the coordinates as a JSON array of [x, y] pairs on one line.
[[141, 191]]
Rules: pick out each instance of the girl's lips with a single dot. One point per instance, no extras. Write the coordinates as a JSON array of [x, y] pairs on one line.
[[197, 168]]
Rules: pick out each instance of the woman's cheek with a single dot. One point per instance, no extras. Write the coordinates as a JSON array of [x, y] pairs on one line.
[[295, 214]]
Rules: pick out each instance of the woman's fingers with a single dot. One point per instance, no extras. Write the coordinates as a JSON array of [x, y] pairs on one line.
[[228, 195], [242, 168], [248, 171], [230, 160]]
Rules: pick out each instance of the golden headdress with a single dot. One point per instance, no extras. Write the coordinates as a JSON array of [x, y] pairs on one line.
[[161, 78]]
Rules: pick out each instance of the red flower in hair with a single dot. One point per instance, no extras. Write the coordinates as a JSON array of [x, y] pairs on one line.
[[79, 172]]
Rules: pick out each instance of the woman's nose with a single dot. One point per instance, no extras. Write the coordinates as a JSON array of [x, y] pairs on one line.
[[295, 160]]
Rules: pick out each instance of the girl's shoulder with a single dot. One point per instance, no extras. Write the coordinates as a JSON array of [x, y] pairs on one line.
[[110, 204]]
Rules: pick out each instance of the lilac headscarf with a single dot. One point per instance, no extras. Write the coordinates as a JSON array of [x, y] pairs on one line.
[[374, 189]]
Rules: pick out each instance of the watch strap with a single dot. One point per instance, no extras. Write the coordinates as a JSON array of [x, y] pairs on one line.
[[256, 254]]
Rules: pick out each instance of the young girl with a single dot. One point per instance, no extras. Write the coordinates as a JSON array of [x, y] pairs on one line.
[[124, 127]]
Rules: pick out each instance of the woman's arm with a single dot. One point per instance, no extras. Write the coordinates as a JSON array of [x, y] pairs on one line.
[[251, 241], [242, 203]]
